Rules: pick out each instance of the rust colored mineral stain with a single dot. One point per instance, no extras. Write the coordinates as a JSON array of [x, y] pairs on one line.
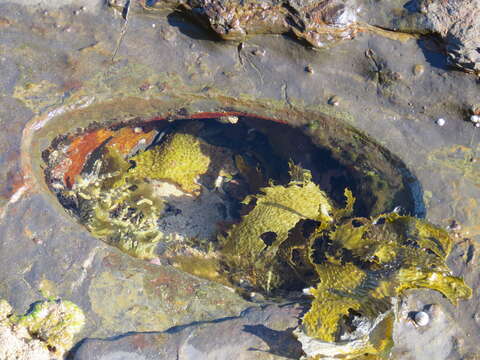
[[124, 140], [80, 149]]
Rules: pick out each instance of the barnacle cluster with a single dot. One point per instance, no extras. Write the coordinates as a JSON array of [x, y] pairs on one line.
[[46, 331], [285, 235]]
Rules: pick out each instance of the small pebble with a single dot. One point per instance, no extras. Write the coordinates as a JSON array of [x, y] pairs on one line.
[[307, 291], [397, 209], [155, 261], [418, 70], [397, 76], [137, 130], [258, 52], [475, 109], [441, 122], [154, 25], [145, 87], [421, 318], [476, 317], [334, 101], [309, 69]]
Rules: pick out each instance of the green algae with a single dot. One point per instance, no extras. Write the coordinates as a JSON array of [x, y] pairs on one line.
[[54, 321], [178, 159]]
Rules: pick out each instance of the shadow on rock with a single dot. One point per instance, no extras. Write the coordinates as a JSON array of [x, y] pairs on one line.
[[281, 343]]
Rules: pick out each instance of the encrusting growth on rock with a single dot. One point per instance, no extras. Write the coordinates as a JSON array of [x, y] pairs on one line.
[[45, 332]]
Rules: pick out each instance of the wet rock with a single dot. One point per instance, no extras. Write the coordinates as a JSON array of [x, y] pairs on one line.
[[259, 333], [319, 23], [455, 21], [324, 22]]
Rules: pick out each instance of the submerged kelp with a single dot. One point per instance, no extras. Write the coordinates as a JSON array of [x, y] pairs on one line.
[[252, 249], [361, 265], [178, 159], [45, 332], [120, 193], [365, 266]]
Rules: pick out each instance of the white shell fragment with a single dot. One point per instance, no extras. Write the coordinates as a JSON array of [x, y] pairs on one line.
[[441, 122], [475, 119], [421, 318]]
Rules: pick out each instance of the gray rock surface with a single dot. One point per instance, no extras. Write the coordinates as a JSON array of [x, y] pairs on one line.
[[258, 333], [458, 23], [325, 22]]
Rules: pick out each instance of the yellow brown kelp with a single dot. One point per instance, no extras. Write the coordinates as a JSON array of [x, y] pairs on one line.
[[360, 265], [117, 197], [251, 246], [367, 264]]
